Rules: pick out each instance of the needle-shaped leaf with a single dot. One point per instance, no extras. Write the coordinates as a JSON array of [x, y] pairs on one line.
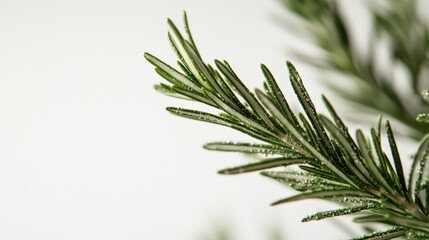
[[370, 218], [418, 168], [339, 212], [246, 94], [305, 181], [355, 165], [369, 160], [322, 173], [309, 108], [384, 235], [278, 96], [208, 75], [309, 132], [265, 164], [193, 95], [385, 166], [168, 90], [188, 32], [197, 66], [396, 159], [210, 118], [171, 72], [186, 57], [238, 115], [294, 132], [250, 148], [228, 91], [339, 122], [323, 194]]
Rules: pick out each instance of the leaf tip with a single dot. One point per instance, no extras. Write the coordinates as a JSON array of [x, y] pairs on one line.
[[147, 55], [276, 203], [224, 172], [171, 109], [208, 146], [218, 63], [324, 98]]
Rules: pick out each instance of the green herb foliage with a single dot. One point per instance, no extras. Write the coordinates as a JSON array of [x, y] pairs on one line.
[[312, 153]]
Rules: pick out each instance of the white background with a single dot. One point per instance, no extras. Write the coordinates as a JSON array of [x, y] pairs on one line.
[[87, 150]]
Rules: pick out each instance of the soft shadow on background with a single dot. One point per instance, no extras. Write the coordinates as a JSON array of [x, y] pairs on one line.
[[87, 149]]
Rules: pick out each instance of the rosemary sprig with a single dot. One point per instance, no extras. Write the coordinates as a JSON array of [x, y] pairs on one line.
[[331, 164]]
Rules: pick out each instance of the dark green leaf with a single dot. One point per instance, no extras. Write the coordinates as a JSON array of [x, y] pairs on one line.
[[277, 94], [317, 171], [385, 166], [309, 109], [247, 95], [396, 160], [418, 168], [369, 160], [355, 166], [270, 106], [384, 235], [309, 132]]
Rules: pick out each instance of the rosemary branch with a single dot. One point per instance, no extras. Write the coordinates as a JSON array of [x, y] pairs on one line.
[[329, 163]]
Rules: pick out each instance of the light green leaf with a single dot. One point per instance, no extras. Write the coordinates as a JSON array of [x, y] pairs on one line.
[[304, 177], [188, 32], [171, 72], [199, 97], [324, 194], [168, 90], [339, 212], [265, 164], [250, 148], [207, 117], [238, 115]]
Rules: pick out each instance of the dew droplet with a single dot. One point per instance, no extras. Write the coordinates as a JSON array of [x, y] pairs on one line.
[[425, 95], [423, 117]]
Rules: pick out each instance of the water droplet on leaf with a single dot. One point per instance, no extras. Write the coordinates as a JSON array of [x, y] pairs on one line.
[[423, 117]]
